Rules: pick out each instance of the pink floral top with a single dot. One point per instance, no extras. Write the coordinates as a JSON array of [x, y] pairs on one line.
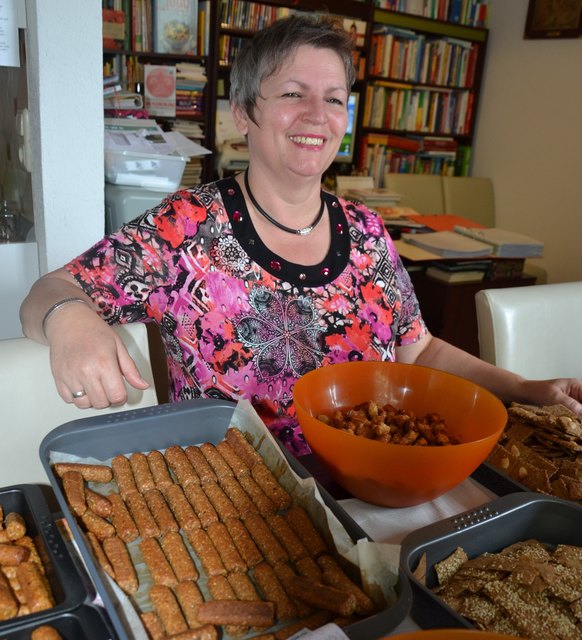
[[238, 321]]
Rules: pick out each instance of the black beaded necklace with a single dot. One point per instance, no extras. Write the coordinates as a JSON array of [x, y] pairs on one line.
[[297, 232]]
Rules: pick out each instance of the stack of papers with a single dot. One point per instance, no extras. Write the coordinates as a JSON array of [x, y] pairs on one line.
[[123, 100], [505, 244], [146, 136], [449, 244], [374, 197]]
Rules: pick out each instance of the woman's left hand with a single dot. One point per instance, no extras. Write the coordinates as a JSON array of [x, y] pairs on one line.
[[564, 391]]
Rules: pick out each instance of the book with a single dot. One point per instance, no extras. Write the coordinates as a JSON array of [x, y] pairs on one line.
[[203, 45], [449, 244], [160, 89], [175, 26], [505, 244], [112, 89], [474, 275], [113, 29], [123, 100], [483, 264], [393, 141]]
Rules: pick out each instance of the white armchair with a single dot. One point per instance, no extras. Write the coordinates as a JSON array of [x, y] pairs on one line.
[[31, 406], [533, 331]]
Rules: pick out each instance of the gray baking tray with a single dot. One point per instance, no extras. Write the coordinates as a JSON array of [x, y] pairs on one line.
[[159, 427], [85, 623], [499, 523], [69, 586]]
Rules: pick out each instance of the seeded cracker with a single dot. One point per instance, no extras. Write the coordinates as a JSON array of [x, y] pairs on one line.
[[447, 568], [538, 596]]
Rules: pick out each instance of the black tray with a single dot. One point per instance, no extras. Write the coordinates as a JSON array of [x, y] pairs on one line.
[[499, 523], [69, 586], [159, 427], [85, 623], [494, 479]]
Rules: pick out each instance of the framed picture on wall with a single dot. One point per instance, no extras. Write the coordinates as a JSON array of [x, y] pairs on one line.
[[553, 19]]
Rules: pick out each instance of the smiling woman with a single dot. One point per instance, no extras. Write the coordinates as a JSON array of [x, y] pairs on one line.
[[259, 278]]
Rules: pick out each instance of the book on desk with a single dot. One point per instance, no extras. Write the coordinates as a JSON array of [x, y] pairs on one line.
[[449, 244], [462, 271], [506, 244], [451, 233]]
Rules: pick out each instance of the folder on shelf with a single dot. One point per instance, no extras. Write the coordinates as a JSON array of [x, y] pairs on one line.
[[444, 221]]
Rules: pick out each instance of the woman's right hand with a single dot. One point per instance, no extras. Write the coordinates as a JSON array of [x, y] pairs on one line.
[[88, 356], [89, 361]]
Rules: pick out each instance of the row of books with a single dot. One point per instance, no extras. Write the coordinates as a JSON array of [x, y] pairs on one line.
[[381, 152], [160, 26], [468, 12], [401, 54], [254, 16], [230, 45], [417, 144], [250, 13], [124, 80], [425, 110], [250, 16], [126, 69], [377, 161], [228, 48]]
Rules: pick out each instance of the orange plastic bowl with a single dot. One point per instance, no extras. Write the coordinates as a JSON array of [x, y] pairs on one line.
[[394, 475]]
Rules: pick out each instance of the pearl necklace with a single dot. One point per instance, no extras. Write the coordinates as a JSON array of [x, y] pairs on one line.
[[298, 232]]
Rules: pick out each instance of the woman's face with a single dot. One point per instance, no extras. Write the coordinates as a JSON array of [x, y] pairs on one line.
[[301, 114]]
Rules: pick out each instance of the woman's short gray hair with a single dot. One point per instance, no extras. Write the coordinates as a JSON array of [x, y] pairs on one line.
[[266, 52]]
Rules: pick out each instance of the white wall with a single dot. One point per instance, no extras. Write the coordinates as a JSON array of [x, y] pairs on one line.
[[66, 111], [529, 137]]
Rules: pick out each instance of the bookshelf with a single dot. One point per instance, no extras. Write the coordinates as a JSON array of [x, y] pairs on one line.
[[418, 105], [240, 19], [423, 82], [145, 43]]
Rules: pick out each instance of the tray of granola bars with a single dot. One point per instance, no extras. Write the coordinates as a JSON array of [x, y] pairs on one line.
[[39, 578], [539, 450], [189, 516], [511, 566]]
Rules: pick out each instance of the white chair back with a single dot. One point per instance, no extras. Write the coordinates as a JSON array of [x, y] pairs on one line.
[[533, 331], [422, 192], [470, 198], [31, 406]]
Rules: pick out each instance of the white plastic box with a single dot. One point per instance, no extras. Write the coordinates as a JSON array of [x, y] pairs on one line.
[[123, 203], [147, 170]]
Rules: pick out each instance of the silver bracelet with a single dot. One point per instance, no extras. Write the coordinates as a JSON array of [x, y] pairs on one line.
[[55, 307]]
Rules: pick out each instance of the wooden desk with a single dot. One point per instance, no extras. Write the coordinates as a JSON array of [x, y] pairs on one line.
[[449, 308]]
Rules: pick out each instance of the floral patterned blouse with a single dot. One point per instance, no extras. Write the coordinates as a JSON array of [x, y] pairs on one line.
[[237, 321]]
